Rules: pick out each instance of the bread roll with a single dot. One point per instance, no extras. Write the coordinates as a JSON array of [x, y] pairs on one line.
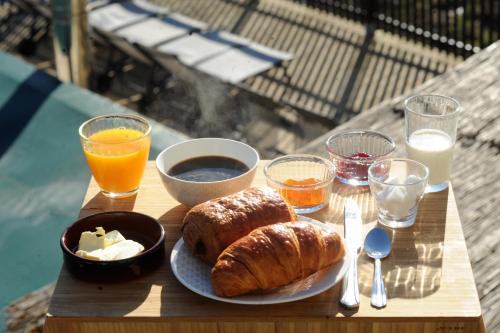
[[274, 256], [210, 227]]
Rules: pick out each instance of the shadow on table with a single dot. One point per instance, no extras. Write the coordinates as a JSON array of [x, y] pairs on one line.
[[107, 294], [340, 193], [101, 203], [413, 269]]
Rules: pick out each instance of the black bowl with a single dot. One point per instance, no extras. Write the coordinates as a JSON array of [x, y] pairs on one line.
[[135, 226]]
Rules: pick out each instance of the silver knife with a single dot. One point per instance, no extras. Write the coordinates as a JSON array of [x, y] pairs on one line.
[[352, 234]]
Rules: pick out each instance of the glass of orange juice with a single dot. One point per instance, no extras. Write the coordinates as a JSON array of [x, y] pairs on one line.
[[117, 149]]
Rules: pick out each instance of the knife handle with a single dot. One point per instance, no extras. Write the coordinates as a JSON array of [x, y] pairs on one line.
[[350, 287]]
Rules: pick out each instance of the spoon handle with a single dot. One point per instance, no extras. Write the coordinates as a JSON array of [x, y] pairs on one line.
[[378, 299], [350, 287]]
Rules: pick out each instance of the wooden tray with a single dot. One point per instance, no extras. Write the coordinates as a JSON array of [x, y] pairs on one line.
[[428, 277]]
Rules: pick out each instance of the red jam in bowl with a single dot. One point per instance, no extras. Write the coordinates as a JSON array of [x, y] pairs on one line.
[[355, 166]]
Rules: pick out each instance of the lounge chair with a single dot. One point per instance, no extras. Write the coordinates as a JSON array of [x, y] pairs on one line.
[[159, 41], [121, 53], [215, 59], [195, 48], [153, 31], [148, 31], [240, 63], [120, 14], [106, 16]]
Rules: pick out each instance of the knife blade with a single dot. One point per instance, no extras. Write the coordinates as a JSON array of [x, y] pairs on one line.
[[353, 237]]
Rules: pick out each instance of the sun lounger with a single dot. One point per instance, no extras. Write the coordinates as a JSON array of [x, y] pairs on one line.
[[158, 41], [214, 59], [128, 53], [152, 31], [195, 48], [123, 46], [119, 15], [238, 64]]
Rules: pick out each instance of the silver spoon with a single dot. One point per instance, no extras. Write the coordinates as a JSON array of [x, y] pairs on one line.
[[378, 246]]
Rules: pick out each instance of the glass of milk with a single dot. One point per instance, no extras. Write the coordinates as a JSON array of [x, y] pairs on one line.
[[397, 186], [431, 131]]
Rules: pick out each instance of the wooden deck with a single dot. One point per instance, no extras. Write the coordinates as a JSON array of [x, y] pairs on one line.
[[476, 166], [340, 68]]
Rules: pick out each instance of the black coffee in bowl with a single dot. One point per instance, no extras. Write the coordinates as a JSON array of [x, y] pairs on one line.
[[208, 169]]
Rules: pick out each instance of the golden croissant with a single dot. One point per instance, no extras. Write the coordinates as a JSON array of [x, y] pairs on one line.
[[210, 227], [274, 256]]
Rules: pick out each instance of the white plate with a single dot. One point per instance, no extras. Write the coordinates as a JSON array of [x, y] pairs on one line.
[[194, 274]]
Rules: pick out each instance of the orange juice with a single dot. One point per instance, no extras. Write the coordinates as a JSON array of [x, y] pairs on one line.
[[117, 158]]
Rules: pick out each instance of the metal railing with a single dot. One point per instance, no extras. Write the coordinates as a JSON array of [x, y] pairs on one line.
[[462, 27]]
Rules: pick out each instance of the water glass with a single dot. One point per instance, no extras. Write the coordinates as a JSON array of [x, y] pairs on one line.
[[431, 131], [397, 186]]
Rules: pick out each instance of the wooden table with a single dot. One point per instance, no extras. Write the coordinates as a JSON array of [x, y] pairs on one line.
[[428, 278]]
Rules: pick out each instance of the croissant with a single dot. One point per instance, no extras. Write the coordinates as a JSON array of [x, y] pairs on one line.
[[273, 256], [210, 227]]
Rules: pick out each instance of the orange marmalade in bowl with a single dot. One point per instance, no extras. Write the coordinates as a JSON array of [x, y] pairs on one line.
[[304, 181], [303, 197]]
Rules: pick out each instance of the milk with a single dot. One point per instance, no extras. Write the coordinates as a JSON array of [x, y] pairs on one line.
[[434, 148]]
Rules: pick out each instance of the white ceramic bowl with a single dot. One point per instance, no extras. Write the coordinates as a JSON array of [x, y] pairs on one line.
[[192, 193]]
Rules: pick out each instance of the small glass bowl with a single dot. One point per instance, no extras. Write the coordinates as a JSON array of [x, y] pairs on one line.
[[304, 181], [397, 185], [353, 152]]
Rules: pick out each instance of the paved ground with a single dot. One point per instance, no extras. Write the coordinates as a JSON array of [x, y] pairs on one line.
[[476, 165]]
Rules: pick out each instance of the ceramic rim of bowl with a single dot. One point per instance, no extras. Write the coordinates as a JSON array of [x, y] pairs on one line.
[[250, 169], [104, 262]]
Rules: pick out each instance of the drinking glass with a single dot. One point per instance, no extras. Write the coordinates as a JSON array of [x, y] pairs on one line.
[[117, 149], [397, 186], [431, 131]]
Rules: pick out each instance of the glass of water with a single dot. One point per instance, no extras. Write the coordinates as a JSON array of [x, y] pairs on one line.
[[431, 131], [397, 186]]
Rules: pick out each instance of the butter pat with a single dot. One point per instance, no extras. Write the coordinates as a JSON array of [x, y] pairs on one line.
[[102, 246], [91, 241], [121, 250], [113, 237]]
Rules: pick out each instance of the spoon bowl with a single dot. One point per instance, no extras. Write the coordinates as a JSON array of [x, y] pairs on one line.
[[378, 246]]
